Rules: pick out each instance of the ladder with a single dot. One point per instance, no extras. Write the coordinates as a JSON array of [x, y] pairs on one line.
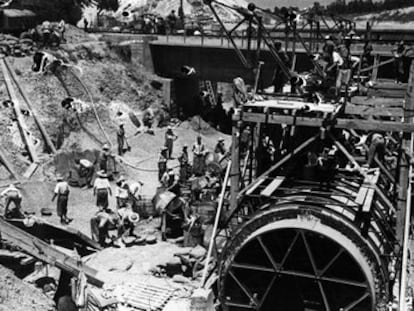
[[211, 93]]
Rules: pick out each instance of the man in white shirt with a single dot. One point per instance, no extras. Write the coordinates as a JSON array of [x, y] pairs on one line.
[[199, 152], [121, 192], [62, 193], [12, 195], [101, 189]]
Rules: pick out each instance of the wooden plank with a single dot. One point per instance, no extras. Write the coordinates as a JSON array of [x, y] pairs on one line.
[[368, 200], [47, 253], [371, 125], [268, 191], [30, 171], [46, 137], [7, 164], [254, 187], [362, 193], [377, 102], [373, 111], [17, 109]]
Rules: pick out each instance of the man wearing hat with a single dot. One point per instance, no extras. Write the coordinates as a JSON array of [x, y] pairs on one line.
[[162, 162], [121, 192], [121, 139], [101, 189], [85, 170], [62, 193], [128, 221], [13, 195], [104, 157], [169, 141], [220, 149], [184, 164]]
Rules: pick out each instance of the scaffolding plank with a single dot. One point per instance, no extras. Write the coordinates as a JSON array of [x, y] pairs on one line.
[[368, 125], [368, 201], [255, 186], [362, 193], [268, 191]]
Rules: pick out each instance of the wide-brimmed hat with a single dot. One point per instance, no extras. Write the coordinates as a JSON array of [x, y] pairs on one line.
[[105, 147], [59, 177], [221, 139], [133, 217], [102, 174]]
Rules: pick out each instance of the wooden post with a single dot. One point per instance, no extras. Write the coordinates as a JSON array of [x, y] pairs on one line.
[[48, 142], [17, 109], [235, 167], [404, 165], [405, 193]]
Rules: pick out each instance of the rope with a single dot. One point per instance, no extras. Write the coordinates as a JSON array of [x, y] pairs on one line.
[[93, 106], [376, 66]]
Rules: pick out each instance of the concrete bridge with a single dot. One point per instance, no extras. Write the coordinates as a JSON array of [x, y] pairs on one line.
[[214, 58]]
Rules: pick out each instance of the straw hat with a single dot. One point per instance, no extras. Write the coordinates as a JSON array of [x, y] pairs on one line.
[[133, 217], [59, 177], [102, 174], [105, 147], [221, 139]]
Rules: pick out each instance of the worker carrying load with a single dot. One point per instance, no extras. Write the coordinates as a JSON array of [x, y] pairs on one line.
[[184, 164], [85, 171], [12, 195], [106, 161]]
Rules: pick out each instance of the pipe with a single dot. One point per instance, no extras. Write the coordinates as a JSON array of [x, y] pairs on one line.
[[216, 223]]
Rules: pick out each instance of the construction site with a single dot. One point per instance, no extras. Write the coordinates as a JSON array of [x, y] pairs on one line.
[[205, 155]]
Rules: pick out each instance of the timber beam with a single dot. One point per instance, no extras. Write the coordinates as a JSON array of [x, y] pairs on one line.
[[342, 123]]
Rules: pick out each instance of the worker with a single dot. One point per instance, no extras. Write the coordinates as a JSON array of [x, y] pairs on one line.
[[170, 137], [104, 158], [148, 120], [135, 188], [121, 192], [46, 31], [399, 53], [102, 189], [86, 170], [121, 139], [279, 77], [172, 21], [62, 193], [184, 164], [162, 162], [199, 151], [61, 28], [12, 195], [103, 221], [168, 178], [376, 148], [128, 219], [266, 154], [220, 149], [85, 25]]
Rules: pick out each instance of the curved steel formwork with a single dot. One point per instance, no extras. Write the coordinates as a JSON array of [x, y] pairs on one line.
[[308, 250]]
